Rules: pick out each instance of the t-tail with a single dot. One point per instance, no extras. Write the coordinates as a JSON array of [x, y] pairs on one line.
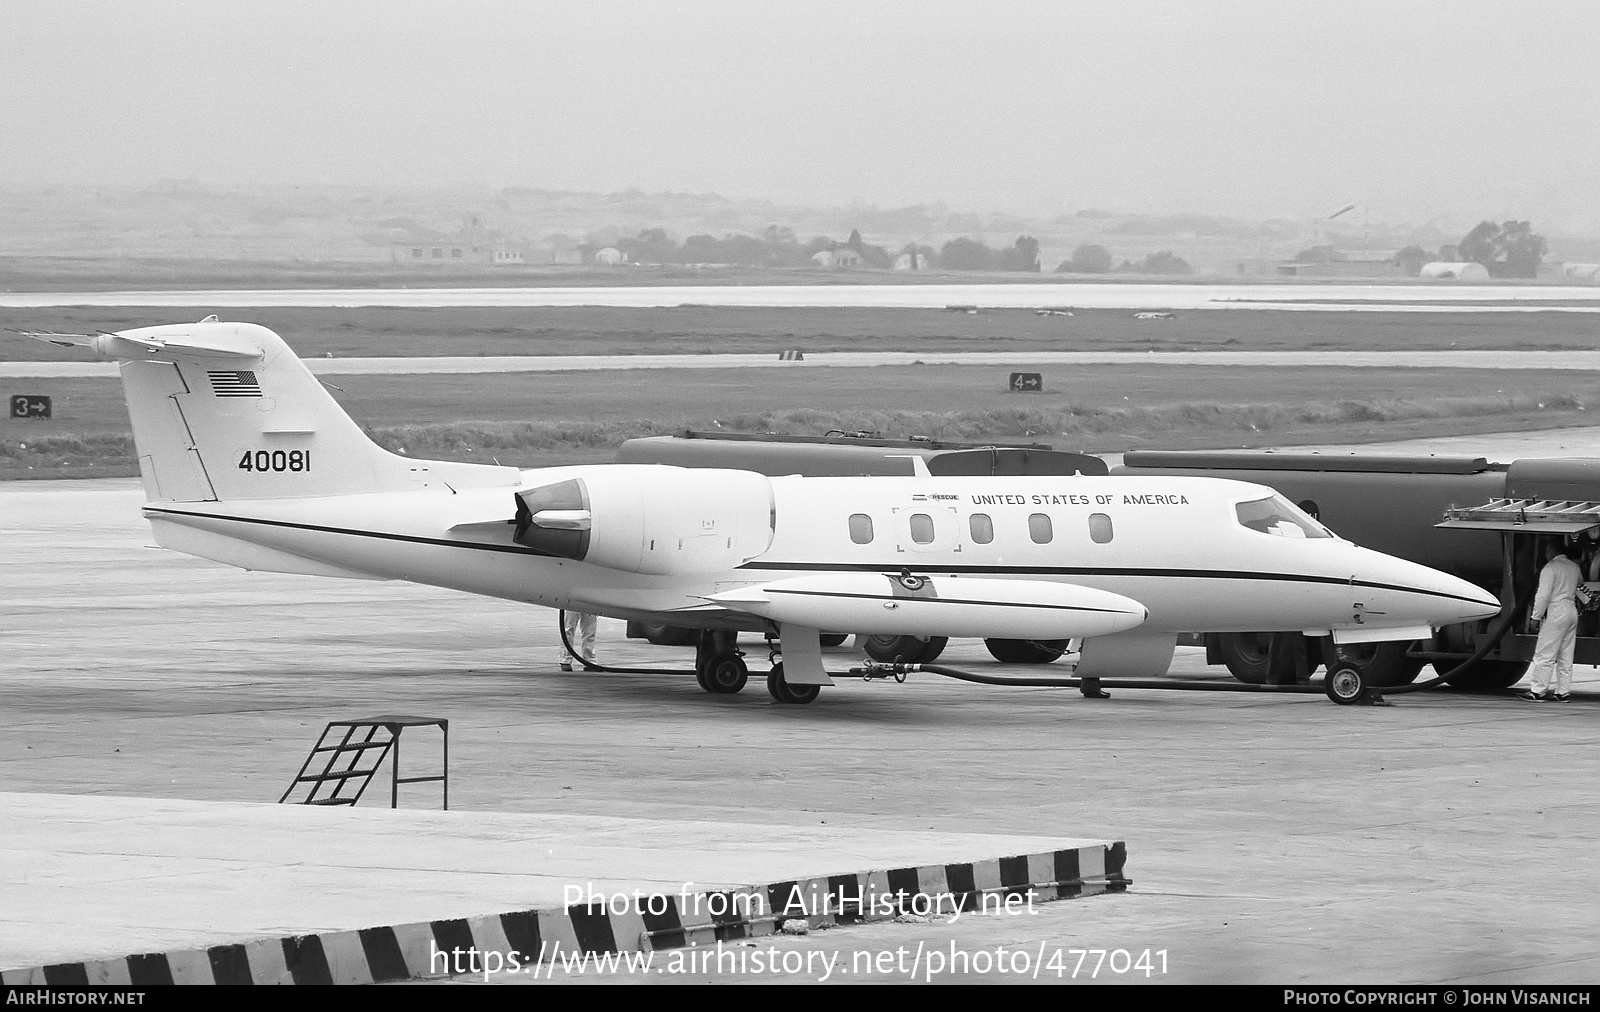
[[225, 411]]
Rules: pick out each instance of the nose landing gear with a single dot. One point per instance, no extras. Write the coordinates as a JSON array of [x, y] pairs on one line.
[[1348, 685]]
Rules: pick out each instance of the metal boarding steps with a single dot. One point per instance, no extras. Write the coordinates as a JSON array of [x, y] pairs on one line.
[[1534, 516], [353, 758]]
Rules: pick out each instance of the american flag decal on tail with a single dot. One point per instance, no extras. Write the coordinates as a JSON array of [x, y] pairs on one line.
[[230, 383]]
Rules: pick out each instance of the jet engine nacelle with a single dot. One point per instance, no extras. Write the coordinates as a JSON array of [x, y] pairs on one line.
[[649, 518]]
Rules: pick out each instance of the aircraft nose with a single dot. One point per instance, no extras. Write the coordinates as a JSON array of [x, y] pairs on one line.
[[1437, 599]]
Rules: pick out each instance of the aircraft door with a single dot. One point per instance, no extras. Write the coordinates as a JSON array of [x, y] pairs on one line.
[[926, 527]]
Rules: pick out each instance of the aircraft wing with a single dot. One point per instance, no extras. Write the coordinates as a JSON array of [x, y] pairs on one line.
[[906, 605]]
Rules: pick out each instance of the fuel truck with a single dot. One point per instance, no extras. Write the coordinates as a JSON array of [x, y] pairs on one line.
[[1484, 522]]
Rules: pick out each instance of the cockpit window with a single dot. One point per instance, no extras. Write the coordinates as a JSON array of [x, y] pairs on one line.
[[1275, 515]]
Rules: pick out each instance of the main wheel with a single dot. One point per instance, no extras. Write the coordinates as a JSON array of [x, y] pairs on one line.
[[1484, 676], [783, 692], [905, 649], [1026, 651], [1346, 683], [1382, 665], [726, 673], [1247, 655]]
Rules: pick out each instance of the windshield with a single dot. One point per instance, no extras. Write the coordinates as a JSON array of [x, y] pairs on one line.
[[1276, 515]]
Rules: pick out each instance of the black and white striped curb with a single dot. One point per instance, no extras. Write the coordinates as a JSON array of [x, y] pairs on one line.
[[653, 922]]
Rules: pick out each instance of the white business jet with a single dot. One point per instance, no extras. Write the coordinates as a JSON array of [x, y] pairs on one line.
[[248, 461]]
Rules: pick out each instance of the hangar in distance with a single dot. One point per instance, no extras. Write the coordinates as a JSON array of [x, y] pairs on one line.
[[247, 460]]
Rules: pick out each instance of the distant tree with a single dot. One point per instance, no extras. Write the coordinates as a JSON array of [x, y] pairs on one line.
[[1022, 256], [1479, 245], [741, 249], [780, 235], [875, 256], [651, 246], [854, 242], [1411, 259], [1165, 262], [1088, 259], [924, 254], [963, 254], [699, 249], [1324, 254], [1509, 250]]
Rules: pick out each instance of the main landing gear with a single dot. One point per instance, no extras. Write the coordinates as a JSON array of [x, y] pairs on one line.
[[720, 668], [783, 692], [719, 663]]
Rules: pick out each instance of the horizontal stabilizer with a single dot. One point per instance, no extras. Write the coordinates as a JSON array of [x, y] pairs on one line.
[[877, 603], [216, 343]]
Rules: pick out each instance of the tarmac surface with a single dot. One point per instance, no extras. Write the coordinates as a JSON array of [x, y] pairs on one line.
[[1044, 293], [1580, 361], [1272, 839]]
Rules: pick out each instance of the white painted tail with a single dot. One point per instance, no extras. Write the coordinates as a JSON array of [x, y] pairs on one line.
[[227, 411]]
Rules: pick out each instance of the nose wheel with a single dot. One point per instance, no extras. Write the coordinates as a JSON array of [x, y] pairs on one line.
[[1347, 684]]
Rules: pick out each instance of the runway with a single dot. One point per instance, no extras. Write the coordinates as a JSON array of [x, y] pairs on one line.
[[1576, 361], [1044, 294], [1270, 839]]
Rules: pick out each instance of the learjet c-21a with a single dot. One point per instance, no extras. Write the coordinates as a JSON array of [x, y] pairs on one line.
[[247, 460]]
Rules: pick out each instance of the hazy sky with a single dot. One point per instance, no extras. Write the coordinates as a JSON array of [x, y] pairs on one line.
[[1471, 107]]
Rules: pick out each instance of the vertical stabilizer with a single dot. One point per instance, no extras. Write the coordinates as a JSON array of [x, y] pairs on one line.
[[227, 411]]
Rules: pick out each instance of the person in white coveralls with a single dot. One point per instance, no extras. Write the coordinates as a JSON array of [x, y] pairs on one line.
[[1555, 608], [580, 627]]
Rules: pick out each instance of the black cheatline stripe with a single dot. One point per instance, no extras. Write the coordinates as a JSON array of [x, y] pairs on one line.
[[940, 600], [829, 567], [1211, 574], [414, 539]]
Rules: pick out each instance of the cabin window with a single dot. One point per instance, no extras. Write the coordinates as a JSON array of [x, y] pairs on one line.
[[982, 528], [1039, 529], [861, 528], [921, 528], [1099, 528], [1277, 516]]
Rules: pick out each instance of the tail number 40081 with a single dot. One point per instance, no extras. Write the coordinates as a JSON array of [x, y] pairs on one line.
[[275, 460]]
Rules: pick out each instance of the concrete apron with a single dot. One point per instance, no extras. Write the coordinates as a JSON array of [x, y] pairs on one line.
[[215, 892]]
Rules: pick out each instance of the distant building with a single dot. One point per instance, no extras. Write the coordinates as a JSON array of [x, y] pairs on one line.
[[1441, 271], [557, 249], [1581, 274], [1367, 263], [911, 262], [610, 257], [439, 252], [843, 258], [436, 251]]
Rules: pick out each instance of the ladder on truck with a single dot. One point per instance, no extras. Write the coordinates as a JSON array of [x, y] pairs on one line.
[[350, 753]]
